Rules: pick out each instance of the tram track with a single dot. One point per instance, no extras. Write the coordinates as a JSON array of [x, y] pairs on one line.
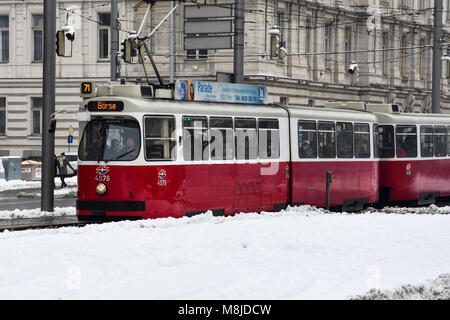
[[21, 224]]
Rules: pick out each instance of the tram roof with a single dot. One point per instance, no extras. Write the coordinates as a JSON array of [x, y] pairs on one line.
[[166, 107], [412, 118], [331, 114]]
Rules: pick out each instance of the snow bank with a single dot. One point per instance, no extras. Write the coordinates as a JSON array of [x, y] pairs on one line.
[[302, 253], [36, 213], [438, 289], [22, 184], [58, 193], [432, 209]]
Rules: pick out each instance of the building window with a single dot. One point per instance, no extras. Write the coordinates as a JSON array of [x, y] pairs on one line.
[[421, 58], [197, 54], [2, 116], [103, 35], [327, 44], [448, 10], [36, 108], [308, 39], [448, 65], [421, 5], [384, 40], [403, 55], [278, 22], [4, 38], [347, 47], [38, 37]]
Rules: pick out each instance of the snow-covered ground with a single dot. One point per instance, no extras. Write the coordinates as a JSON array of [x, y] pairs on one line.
[[301, 253], [22, 184]]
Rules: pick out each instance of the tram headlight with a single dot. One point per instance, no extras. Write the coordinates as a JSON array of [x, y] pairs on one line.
[[101, 189]]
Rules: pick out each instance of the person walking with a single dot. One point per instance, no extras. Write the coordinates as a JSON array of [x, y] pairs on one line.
[[63, 163], [56, 164]]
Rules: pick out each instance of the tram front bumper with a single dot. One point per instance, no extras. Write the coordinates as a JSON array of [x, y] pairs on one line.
[[109, 210]]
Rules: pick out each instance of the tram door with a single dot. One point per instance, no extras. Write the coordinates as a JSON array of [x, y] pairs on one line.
[[247, 173]]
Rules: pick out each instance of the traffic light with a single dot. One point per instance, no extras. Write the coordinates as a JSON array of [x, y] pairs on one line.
[[52, 127], [127, 46], [60, 44]]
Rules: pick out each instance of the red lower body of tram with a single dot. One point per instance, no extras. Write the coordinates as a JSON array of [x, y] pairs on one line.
[[354, 183], [422, 180], [181, 190]]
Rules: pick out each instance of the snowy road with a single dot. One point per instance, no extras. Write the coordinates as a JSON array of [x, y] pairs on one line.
[[299, 254]]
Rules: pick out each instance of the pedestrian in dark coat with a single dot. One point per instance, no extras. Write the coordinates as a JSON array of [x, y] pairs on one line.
[[55, 159], [63, 163]]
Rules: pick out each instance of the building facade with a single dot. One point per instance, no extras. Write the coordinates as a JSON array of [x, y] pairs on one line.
[[390, 41]]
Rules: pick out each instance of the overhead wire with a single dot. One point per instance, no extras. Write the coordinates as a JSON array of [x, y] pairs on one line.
[[328, 24]]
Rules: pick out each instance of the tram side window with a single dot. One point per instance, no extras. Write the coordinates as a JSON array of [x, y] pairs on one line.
[[160, 138], [406, 141], [269, 139], [307, 139], [440, 141], [448, 140], [246, 138], [195, 138], [344, 139], [221, 138], [375, 141], [362, 140], [327, 139], [426, 141], [386, 141]]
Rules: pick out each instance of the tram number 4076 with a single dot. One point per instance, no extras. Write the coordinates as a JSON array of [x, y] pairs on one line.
[[102, 178]]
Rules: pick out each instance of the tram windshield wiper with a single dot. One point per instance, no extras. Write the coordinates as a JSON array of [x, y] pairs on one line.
[[123, 155]]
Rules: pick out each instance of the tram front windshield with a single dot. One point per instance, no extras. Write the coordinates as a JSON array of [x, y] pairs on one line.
[[110, 140]]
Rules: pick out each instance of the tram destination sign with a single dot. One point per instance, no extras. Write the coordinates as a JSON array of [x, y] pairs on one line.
[[105, 106], [191, 90]]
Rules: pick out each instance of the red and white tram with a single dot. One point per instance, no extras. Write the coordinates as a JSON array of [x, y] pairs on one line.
[[186, 157], [414, 156], [341, 143], [141, 156]]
